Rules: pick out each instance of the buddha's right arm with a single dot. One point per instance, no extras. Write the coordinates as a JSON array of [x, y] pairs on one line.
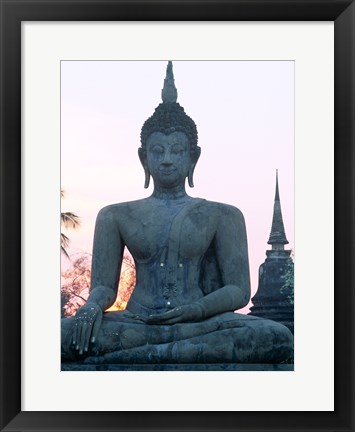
[[102, 296], [107, 259]]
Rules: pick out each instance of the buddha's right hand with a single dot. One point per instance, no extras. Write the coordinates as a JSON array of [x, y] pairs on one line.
[[86, 327]]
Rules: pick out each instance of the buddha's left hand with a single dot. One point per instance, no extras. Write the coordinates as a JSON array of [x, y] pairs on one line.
[[180, 314]]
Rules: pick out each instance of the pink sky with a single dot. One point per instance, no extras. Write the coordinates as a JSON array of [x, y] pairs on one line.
[[244, 112]]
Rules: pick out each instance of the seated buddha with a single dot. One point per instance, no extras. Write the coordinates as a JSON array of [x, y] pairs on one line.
[[192, 269]]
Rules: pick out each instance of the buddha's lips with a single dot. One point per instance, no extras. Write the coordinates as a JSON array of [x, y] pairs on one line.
[[167, 172]]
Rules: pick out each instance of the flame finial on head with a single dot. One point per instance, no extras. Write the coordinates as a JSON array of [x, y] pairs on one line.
[[169, 116], [169, 92]]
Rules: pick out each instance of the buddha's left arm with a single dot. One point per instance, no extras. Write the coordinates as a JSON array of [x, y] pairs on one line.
[[232, 256]]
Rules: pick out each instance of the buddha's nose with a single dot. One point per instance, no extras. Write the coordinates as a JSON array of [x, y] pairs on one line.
[[167, 158]]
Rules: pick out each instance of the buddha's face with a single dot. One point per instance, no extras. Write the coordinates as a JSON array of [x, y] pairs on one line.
[[168, 158]]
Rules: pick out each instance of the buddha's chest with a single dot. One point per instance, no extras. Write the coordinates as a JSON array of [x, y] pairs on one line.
[[170, 233]]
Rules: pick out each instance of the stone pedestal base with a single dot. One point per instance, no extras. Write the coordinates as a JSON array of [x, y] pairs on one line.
[[260, 367]]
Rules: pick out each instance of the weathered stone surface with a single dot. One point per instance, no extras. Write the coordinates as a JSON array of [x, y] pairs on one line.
[[273, 299], [192, 270], [220, 367]]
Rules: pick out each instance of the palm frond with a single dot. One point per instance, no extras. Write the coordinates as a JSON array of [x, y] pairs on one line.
[[63, 250], [64, 243], [70, 220], [64, 240]]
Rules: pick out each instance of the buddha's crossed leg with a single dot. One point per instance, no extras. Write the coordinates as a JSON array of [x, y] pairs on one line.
[[227, 338]]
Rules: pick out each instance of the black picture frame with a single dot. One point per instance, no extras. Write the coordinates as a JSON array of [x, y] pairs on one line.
[[13, 12]]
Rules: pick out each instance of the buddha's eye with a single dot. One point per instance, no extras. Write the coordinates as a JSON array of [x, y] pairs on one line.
[[157, 149], [178, 149]]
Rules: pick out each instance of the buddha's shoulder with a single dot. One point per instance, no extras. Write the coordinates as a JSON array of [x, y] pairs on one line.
[[223, 210], [115, 210], [141, 206]]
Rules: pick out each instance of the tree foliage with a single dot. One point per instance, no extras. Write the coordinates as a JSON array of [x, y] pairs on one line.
[[126, 284], [68, 220], [76, 284], [289, 281]]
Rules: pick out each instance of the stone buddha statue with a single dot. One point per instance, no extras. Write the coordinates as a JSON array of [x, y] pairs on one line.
[[192, 270]]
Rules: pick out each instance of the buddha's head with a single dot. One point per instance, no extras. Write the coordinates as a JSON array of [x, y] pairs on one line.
[[169, 150]]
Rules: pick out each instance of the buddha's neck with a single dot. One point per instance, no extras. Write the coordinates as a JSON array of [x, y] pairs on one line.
[[169, 193]]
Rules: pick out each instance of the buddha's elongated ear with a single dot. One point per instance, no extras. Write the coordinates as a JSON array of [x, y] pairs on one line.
[[195, 154], [143, 158]]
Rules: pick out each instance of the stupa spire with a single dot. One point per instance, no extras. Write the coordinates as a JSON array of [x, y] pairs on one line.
[[277, 195], [277, 236], [169, 92]]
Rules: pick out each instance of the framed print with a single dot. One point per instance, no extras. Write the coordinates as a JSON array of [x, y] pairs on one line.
[[43, 46]]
